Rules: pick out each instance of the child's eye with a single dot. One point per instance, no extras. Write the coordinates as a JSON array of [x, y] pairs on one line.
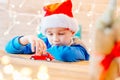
[[61, 33], [50, 34]]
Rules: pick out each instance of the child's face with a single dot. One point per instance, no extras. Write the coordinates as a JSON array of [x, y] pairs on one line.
[[59, 36]]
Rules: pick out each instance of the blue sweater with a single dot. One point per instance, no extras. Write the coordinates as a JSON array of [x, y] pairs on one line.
[[71, 53]]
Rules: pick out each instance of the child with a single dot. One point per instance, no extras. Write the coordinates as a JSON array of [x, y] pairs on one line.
[[59, 28]]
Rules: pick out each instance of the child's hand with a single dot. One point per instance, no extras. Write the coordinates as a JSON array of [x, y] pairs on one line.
[[37, 45]]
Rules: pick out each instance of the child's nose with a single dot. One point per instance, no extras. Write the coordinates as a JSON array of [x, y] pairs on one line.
[[55, 38]]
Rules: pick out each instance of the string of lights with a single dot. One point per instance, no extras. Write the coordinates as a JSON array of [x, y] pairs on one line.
[[14, 14], [91, 25]]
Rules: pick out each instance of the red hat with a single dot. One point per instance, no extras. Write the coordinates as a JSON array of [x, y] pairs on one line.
[[59, 15], [59, 8]]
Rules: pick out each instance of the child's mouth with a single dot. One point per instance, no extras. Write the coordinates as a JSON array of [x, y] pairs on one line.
[[57, 44]]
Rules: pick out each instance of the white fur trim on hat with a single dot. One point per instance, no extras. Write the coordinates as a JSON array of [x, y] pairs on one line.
[[58, 20]]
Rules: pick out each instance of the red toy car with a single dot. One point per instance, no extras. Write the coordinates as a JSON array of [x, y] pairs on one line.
[[47, 56]]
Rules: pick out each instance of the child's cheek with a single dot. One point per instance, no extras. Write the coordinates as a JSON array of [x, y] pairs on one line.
[[50, 42]]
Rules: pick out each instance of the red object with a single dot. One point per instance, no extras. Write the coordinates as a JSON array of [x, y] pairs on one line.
[[47, 56], [59, 8], [59, 15], [108, 59], [114, 54]]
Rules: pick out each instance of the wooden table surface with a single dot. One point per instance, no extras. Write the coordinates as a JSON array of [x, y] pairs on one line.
[[56, 70]]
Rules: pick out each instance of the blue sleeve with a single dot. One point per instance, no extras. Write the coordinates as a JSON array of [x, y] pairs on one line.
[[46, 42], [13, 46], [69, 53]]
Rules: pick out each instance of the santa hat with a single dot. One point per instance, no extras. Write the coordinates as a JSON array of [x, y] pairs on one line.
[[59, 15]]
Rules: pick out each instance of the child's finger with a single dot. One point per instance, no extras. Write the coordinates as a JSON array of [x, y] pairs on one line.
[[38, 48], [33, 43], [44, 47], [41, 45]]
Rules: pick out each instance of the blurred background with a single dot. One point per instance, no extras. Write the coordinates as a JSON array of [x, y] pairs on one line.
[[22, 17]]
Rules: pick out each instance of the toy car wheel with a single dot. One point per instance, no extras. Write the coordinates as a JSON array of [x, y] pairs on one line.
[[32, 58], [48, 59]]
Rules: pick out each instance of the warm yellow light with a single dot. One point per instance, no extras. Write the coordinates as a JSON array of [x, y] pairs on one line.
[[90, 41], [62, 0], [1, 76], [43, 73], [17, 22], [5, 60], [90, 25], [89, 13], [26, 71], [13, 6], [8, 69], [39, 12], [76, 11], [28, 23], [18, 76], [89, 50]]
